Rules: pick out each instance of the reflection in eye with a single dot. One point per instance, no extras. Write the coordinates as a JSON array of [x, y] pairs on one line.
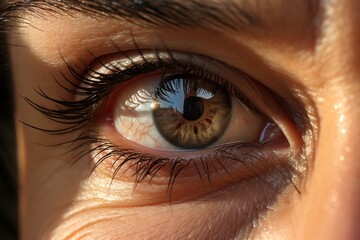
[[185, 111]]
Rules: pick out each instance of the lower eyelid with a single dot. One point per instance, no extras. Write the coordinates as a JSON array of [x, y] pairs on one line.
[[270, 178], [257, 153]]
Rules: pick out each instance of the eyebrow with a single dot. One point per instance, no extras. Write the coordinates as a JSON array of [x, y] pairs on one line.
[[209, 15]]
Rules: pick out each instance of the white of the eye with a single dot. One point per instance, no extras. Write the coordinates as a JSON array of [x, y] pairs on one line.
[[133, 119], [141, 130]]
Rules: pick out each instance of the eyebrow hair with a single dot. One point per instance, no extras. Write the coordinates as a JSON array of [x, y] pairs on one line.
[[166, 13], [209, 15]]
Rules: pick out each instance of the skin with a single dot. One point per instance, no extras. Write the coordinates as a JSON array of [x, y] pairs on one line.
[[319, 61]]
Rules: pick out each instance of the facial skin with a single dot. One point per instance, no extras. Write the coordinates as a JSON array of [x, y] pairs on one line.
[[305, 52]]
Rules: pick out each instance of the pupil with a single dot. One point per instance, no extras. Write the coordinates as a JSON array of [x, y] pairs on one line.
[[193, 108]]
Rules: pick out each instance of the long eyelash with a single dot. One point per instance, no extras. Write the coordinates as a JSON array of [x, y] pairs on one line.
[[93, 90]]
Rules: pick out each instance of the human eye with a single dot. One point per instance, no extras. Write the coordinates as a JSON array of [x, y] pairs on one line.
[[186, 124]]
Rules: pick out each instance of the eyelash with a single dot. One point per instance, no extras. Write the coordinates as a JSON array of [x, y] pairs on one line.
[[92, 89], [78, 113]]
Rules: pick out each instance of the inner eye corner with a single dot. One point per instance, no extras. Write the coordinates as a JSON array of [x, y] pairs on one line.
[[293, 136]]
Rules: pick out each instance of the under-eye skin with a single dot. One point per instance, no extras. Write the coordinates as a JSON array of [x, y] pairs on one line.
[[123, 107]]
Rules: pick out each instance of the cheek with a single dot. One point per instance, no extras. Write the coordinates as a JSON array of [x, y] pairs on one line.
[[217, 216], [47, 186]]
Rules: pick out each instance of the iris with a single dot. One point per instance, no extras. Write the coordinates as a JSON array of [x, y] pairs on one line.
[[191, 112]]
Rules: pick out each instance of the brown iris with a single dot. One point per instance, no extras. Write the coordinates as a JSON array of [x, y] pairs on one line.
[[191, 113]]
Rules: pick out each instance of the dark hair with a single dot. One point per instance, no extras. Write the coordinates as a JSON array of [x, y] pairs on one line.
[[8, 163]]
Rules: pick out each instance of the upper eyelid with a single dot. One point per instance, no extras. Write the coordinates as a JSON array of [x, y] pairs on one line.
[[91, 85], [118, 62]]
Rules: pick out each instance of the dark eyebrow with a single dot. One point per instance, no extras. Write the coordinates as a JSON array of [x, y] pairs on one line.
[[209, 15]]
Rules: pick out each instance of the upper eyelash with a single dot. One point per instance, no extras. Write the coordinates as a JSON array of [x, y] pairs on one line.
[[77, 114]]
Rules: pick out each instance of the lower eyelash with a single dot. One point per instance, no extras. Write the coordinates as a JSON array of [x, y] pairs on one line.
[[146, 166]]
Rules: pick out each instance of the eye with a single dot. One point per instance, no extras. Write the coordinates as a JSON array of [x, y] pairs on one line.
[[181, 102], [171, 115], [183, 111], [178, 121]]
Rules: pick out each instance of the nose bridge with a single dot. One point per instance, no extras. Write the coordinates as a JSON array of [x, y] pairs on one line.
[[332, 199]]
